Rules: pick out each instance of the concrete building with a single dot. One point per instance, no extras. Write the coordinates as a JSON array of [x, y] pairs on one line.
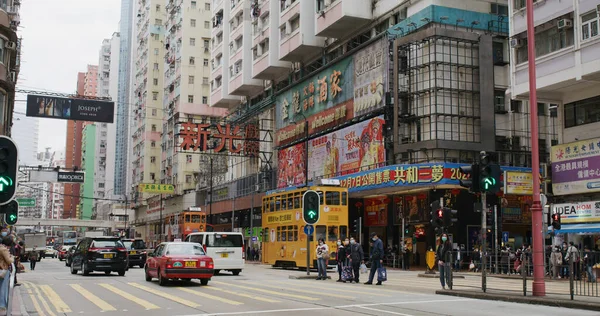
[[25, 132], [567, 45], [88, 164], [10, 55]]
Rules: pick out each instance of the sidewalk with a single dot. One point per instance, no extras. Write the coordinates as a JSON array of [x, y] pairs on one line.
[[18, 309], [580, 302]]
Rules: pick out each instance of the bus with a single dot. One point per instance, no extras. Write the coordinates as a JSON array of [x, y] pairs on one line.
[[284, 241], [69, 238], [181, 224]]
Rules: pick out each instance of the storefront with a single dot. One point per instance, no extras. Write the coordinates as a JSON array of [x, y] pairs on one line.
[[580, 223]]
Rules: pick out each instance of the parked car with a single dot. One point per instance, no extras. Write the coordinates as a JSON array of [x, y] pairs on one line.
[[50, 252], [106, 254], [69, 256], [137, 252], [179, 260]]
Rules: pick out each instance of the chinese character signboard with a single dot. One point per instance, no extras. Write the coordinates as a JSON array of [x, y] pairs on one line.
[[156, 188], [375, 212], [520, 183], [70, 109], [290, 165], [355, 148], [233, 139], [581, 212], [370, 65], [328, 88], [576, 167]]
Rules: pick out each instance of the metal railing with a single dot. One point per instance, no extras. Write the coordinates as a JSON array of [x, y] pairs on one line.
[[11, 287]]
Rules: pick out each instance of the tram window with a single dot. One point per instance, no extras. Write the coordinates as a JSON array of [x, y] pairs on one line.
[[278, 233], [187, 218], [195, 218], [344, 198], [266, 236], [290, 202], [283, 203], [320, 197], [297, 202], [283, 234], [321, 231], [295, 232], [343, 232], [332, 233], [277, 203], [332, 198]]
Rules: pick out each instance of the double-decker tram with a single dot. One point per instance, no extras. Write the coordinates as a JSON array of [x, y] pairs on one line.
[[284, 240], [181, 224]]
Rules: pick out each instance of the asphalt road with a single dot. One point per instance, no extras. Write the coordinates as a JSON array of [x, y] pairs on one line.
[[51, 290]]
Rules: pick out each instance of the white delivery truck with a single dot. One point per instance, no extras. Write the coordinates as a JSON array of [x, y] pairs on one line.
[[94, 233], [37, 240]]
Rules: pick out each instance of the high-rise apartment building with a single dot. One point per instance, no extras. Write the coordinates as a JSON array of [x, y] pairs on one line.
[[10, 59], [123, 100], [88, 164], [25, 132]]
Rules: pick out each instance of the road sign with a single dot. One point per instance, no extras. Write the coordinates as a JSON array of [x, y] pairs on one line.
[[309, 229], [505, 237], [254, 239], [26, 202]]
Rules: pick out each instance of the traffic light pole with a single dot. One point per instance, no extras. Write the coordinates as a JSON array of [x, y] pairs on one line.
[[308, 254], [483, 240], [402, 243], [539, 285], [496, 235]]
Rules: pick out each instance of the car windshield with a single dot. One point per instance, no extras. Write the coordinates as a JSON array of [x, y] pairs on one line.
[[134, 244], [185, 249], [106, 244]]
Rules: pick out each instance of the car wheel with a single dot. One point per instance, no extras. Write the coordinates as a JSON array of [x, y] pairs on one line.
[[73, 271], [161, 280], [60, 259], [236, 272], [84, 269], [148, 276], [107, 272], [217, 272], [141, 265], [204, 281], [121, 273]]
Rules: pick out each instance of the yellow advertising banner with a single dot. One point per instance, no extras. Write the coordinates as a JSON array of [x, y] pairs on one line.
[[520, 183], [156, 188]]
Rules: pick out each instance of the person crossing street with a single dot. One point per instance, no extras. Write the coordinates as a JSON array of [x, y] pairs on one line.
[[356, 255], [33, 258], [376, 257]]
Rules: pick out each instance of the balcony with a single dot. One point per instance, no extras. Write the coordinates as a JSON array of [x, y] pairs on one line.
[[299, 45], [241, 82], [268, 66], [339, 18], [218, 98]]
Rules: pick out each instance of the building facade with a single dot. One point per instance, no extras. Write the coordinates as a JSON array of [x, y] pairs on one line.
[[9, 67], [88, 164], [25, 132]]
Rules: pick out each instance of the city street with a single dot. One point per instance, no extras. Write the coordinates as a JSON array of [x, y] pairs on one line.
[[259, 290]]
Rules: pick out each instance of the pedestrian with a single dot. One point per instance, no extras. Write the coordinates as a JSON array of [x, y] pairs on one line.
[[441, 254], [556, 262], [6, 259], [573, 256], [504, 260], [405, 256], [376, 257], [322, 258], [33, 258], [340, 257], [565, 268], [357, 256], [590, 260]]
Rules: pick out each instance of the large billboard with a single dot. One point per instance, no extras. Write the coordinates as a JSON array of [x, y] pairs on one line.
[[355, 148], [576, 167], [70, 109], [578, 212], [290, 166], [370, 74]]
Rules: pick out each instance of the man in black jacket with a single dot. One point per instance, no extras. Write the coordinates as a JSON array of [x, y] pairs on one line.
[[376, 257], [356, 255]]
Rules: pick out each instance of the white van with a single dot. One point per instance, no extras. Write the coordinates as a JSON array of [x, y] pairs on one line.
[[225, 248]]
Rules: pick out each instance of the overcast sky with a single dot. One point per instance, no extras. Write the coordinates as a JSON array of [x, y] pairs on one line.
[[60, 38]]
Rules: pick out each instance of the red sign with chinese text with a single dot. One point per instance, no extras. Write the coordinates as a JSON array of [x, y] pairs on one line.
[[196, 136], [375, 212]]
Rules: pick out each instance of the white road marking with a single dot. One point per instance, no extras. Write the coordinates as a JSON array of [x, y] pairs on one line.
[[365, 306], [383, 311]]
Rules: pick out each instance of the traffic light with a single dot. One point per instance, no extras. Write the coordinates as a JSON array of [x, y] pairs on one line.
[[448, 214], [407, 229], [472, 177], [489, 175], [556, 221], [9, 163], [355, 226], [11, 212], [435, 206], [311, 207]]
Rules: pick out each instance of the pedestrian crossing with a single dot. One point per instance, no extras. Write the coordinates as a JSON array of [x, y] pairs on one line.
[[108, 296]]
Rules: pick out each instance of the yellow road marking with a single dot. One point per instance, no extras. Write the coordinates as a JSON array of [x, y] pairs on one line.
[[53, 297], [258, 298], [42, 300], [145, 304], [165, 295], [36, 305], [212, 297], [302, 297], [301, 291], [102, 304], [362, 292]]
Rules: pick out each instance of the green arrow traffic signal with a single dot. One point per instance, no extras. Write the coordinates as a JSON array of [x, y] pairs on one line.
[[312, 214], [488, 183], [11, 212], [9, 158], [5, 183], [311, 205]]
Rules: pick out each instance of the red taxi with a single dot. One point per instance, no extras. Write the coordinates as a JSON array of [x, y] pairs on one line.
[[62, 253], [179, 260]]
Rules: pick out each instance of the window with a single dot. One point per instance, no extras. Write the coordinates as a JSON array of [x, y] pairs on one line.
[[192, 61], [206, 24], [542, 109], [157, 7], [153, 112], [207, 6], [152, 160], [154, 127], [193, 22], [188, 178], [589, 25], [499, 99], [193, 4], [546, 42], [157, 21], [204, 100], [188, 158], [153, 144], [101, 185], [225, 240], [190, 99], [332, 198], [204, 80], [205, 62], [582, 112], [154, 95], [499, 9], [156, 51], [192, 41], [295, 23], [155, 66], [156, 37], [191, 79]]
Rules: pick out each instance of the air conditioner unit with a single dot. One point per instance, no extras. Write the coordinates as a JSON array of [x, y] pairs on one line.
[[13, 77], [564, 24], [515, 43], [11, 45]]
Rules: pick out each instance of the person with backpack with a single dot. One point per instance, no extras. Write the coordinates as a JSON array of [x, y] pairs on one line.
[[573, 256], [376, 257]]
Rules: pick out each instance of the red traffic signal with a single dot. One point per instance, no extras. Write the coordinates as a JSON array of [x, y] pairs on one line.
[[440, 213], [556, 221]]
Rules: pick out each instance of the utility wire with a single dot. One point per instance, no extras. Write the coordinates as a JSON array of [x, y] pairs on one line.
[[72, 195]]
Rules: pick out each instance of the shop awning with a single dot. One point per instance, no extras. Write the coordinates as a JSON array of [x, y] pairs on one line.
[[579, 228]]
